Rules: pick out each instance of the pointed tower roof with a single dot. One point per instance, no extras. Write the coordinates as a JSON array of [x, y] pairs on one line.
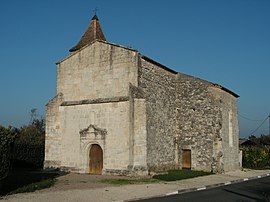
[[92, 33]]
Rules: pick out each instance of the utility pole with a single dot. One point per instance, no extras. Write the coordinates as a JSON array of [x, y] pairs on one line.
[[33, 115], [269, 124]]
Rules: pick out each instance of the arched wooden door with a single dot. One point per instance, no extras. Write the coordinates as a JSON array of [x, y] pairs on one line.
[[96, 160]]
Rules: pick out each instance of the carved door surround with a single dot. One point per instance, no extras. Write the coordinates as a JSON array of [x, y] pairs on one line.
[[89, 136]]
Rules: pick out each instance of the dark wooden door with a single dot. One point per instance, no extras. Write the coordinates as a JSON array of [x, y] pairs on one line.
[[96, 160], [186, 159]]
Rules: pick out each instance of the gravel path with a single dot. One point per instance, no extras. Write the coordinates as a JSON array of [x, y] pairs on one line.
[[81, 181], [127, 192]]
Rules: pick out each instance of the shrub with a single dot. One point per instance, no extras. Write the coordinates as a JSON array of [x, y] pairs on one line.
[[29, 145], [6, 138], [28, 154], [255, 157]]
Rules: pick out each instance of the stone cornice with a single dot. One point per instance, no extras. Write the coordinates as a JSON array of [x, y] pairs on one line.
[[96, 101]]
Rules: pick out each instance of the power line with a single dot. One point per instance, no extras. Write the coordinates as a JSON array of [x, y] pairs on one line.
[[244, 117], [259, 126]]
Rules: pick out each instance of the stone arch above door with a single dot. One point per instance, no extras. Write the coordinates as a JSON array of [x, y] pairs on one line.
[[89, 136]]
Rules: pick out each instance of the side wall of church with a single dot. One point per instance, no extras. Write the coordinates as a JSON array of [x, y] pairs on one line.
[[99, 70], [183, 113], [229, 130], [158, 90], [199, 122], [207, 125]]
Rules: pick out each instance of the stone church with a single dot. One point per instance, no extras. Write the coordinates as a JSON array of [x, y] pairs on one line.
[[117, 111]]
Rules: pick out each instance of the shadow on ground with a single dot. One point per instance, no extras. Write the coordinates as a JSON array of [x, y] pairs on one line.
[[21, 177]]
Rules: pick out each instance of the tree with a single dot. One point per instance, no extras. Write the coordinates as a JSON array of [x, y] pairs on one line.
[[29, 145], [264, 140], [7, 136]]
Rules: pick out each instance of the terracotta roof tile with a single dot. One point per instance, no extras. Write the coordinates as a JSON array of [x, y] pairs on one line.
[[93, 32]]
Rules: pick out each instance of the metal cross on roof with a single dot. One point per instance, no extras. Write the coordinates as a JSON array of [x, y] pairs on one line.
[[95, 11]]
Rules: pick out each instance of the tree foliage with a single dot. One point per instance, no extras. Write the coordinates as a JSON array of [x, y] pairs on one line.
[[6, 138], [257, 156], [263, 140], [24, 145], [29, 144]]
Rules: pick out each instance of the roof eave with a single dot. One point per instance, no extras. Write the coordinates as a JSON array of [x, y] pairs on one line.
[[96, 40], [225, 89], [158, 64]]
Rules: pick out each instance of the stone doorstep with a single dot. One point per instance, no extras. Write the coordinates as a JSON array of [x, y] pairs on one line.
[[182, 191]]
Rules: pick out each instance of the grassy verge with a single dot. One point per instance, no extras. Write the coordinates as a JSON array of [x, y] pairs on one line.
[[171, 175], [34, 186]]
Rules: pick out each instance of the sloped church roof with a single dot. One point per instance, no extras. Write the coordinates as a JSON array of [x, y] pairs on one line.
[[93, 32]]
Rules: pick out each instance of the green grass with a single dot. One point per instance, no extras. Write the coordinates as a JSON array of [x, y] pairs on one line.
[[173, 175], [34, 186]]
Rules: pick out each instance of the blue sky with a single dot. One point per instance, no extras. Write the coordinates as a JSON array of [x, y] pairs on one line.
[[226, 42]]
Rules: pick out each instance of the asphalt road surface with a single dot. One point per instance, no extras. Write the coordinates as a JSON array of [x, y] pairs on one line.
[[252, 190]]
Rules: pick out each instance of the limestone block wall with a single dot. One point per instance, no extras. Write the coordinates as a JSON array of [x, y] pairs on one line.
[[158, 89], [198, 122], [52, 136], [229, 130], [139, 139], [100, 73], [110, 117], [183, 113], [100, 70]]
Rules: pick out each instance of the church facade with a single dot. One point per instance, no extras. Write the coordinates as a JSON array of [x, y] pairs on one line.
[[117, 111]]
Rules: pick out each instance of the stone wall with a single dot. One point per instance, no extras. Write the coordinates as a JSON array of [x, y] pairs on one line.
[[110, 117], [158, 89], [183, 112], [198, 121], [99, 70], [94, 79], [140, 138], [52, 136], [230, 129], [207, 125]]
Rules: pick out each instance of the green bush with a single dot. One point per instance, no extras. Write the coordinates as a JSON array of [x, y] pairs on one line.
[[29, 144], [6, 138], [28, 153], [255, 157]]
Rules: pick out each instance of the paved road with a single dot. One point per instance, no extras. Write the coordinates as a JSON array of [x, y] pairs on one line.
[[252, 190]]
